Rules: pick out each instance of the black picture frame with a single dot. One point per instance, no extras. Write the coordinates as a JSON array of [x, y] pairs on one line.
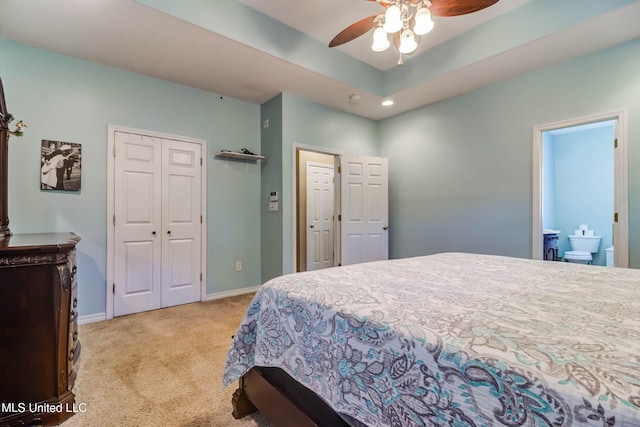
[[60, 166]]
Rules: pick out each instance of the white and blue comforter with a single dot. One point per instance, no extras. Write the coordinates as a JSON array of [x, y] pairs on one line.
[[454, 340]]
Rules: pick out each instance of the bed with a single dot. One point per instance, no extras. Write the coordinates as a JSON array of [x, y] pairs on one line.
[[447, 339]]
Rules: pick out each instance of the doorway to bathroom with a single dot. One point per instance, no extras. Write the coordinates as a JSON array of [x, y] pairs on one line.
[[580, 183]]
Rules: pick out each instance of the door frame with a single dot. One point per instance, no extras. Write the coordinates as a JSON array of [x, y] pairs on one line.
[[294, 206], [621, 180], [110, 273]]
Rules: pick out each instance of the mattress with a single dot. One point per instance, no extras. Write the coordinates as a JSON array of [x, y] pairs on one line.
[[454, 339]]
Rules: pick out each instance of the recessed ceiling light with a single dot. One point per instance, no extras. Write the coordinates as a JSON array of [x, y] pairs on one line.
[[387, 102]]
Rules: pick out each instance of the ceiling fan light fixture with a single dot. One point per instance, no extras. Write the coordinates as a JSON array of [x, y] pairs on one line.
[[393, 19], [424, 23], [407, 21], [407, 42], [380, 40]]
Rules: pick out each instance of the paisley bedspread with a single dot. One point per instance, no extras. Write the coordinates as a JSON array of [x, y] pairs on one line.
[[454, 339]]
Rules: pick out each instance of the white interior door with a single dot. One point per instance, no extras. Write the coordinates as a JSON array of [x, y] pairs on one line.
[[137, 259], [158, 223], [181, 222], [364, 192], [320, 208]]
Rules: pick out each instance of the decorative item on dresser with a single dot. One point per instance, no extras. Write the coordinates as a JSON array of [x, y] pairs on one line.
[[39, 345], [5, 134]]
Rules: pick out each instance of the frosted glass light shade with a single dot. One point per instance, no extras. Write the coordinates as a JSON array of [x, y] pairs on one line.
[[407, 42], [423, 24], [380, 40], [392, 19]]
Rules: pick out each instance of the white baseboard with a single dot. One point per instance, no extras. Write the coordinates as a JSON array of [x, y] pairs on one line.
[[99, 317], [90, 318], [233, 293]]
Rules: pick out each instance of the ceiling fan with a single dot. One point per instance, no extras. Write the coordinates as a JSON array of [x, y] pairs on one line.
[[404, 20]]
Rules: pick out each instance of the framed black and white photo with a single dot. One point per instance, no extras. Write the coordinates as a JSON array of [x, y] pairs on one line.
[[60, 165]]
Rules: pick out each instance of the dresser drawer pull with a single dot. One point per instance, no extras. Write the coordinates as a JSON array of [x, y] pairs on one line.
[[75, 302], [75, 337], [72, 316], [71, 353]]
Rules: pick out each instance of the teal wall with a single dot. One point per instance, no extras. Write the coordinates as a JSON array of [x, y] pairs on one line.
[[460, 169], [271, 224], [62, 98], [309, 124], [465, 181], [583, 182]]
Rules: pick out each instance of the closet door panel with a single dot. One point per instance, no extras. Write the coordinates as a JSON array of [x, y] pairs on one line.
[[181, 222], [137, 223]]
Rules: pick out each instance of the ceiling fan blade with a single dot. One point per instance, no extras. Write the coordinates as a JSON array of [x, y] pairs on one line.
[[354, 31], [458, 7]]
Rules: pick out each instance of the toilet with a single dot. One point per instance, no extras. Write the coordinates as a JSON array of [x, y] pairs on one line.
[[582, 247]]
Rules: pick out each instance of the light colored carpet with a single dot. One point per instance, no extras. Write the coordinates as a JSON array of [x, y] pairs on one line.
[[160, 368]]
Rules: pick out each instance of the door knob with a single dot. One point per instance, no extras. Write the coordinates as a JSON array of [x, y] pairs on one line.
[[311, 226], [386, 227], [153, 232], [169, 232]]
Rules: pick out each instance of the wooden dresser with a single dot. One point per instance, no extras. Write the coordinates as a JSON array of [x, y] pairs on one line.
[[39, 344]]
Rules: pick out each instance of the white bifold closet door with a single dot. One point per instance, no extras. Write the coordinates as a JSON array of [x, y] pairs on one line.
[[158, 223]]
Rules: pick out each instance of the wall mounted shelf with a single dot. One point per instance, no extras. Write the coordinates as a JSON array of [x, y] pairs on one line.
[[241, 156]]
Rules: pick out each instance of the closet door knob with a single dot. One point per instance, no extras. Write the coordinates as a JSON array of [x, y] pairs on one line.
[[169, 232], [153, 232]]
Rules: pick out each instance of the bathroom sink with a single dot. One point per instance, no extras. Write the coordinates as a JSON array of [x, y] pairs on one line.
[[549, 231]]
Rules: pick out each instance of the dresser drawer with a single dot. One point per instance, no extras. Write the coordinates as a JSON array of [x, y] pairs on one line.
[[73, 343], [74, 355], [73, 268]]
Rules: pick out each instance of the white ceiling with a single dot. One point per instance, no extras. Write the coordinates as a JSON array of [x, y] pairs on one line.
[[131, 36]]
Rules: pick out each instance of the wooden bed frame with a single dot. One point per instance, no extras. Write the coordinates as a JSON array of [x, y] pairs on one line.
[[282, 400]]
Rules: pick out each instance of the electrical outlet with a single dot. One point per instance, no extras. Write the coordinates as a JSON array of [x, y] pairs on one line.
[[238, 265]]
